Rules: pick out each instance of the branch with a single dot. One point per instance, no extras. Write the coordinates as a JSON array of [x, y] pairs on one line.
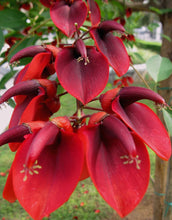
[[141, 5]]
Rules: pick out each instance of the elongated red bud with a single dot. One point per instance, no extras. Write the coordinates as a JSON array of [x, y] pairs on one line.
[[45, 137], [29, 87], [15, 134], [30, 126], [28, 52], [81, 49], [107, 26], [112, 127], [129, 95]]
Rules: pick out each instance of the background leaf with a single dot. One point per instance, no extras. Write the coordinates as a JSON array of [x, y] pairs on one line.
[[5, 79], [159, 68], [1, 39], [11, 18], [167, 114]]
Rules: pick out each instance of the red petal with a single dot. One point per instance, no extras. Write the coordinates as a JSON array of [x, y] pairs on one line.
[[94, 14], [121, 184], [113, 48], [8, 192], [18, 111], [36, 110], [113, 128], [61, 165], [145, 123], [111, 25], [65, 16], [45, 136], [82, 81], [36, 66]]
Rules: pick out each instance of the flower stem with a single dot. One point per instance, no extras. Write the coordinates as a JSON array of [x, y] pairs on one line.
[[92, 108]]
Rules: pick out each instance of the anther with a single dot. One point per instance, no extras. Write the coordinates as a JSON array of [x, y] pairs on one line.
[[32, 170], [131, 160]]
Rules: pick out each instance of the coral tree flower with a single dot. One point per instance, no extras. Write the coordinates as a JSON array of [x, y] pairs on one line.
[[63, 14], [35, 100], [49, 163], [78, 71], [118, 163], [41, 65], [137, 116], [111, 46]]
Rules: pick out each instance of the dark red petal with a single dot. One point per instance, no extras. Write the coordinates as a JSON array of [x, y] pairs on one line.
[[28, 52], [145, 123], [65, 16], [120, 182], [94, 12], [8, 192], [59, 168], [82, 81], [113, 48], [15, 134], [128, 95]]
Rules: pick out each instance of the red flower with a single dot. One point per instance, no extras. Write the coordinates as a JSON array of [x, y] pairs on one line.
[[111, 46], [63, 14], [78, 71], [41, 65], [137, 116], [35, 100], [118, 163], [46, 162]]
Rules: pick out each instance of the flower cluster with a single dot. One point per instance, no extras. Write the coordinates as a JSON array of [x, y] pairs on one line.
[[54, 153]]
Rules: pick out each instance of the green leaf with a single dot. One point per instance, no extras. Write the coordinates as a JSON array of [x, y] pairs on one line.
[[11, 103], [167, 114], [166, 37], [1, 39], [159, 68], [5, 79], [161, 11], [11, 18]]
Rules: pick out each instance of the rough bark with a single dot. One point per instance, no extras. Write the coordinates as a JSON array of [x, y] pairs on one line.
[[163, 179], [166, 51]]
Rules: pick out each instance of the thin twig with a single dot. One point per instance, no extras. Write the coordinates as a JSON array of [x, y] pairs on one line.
[[141, 77]]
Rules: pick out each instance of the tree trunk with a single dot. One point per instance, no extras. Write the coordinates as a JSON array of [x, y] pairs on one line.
[[162, 180]]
